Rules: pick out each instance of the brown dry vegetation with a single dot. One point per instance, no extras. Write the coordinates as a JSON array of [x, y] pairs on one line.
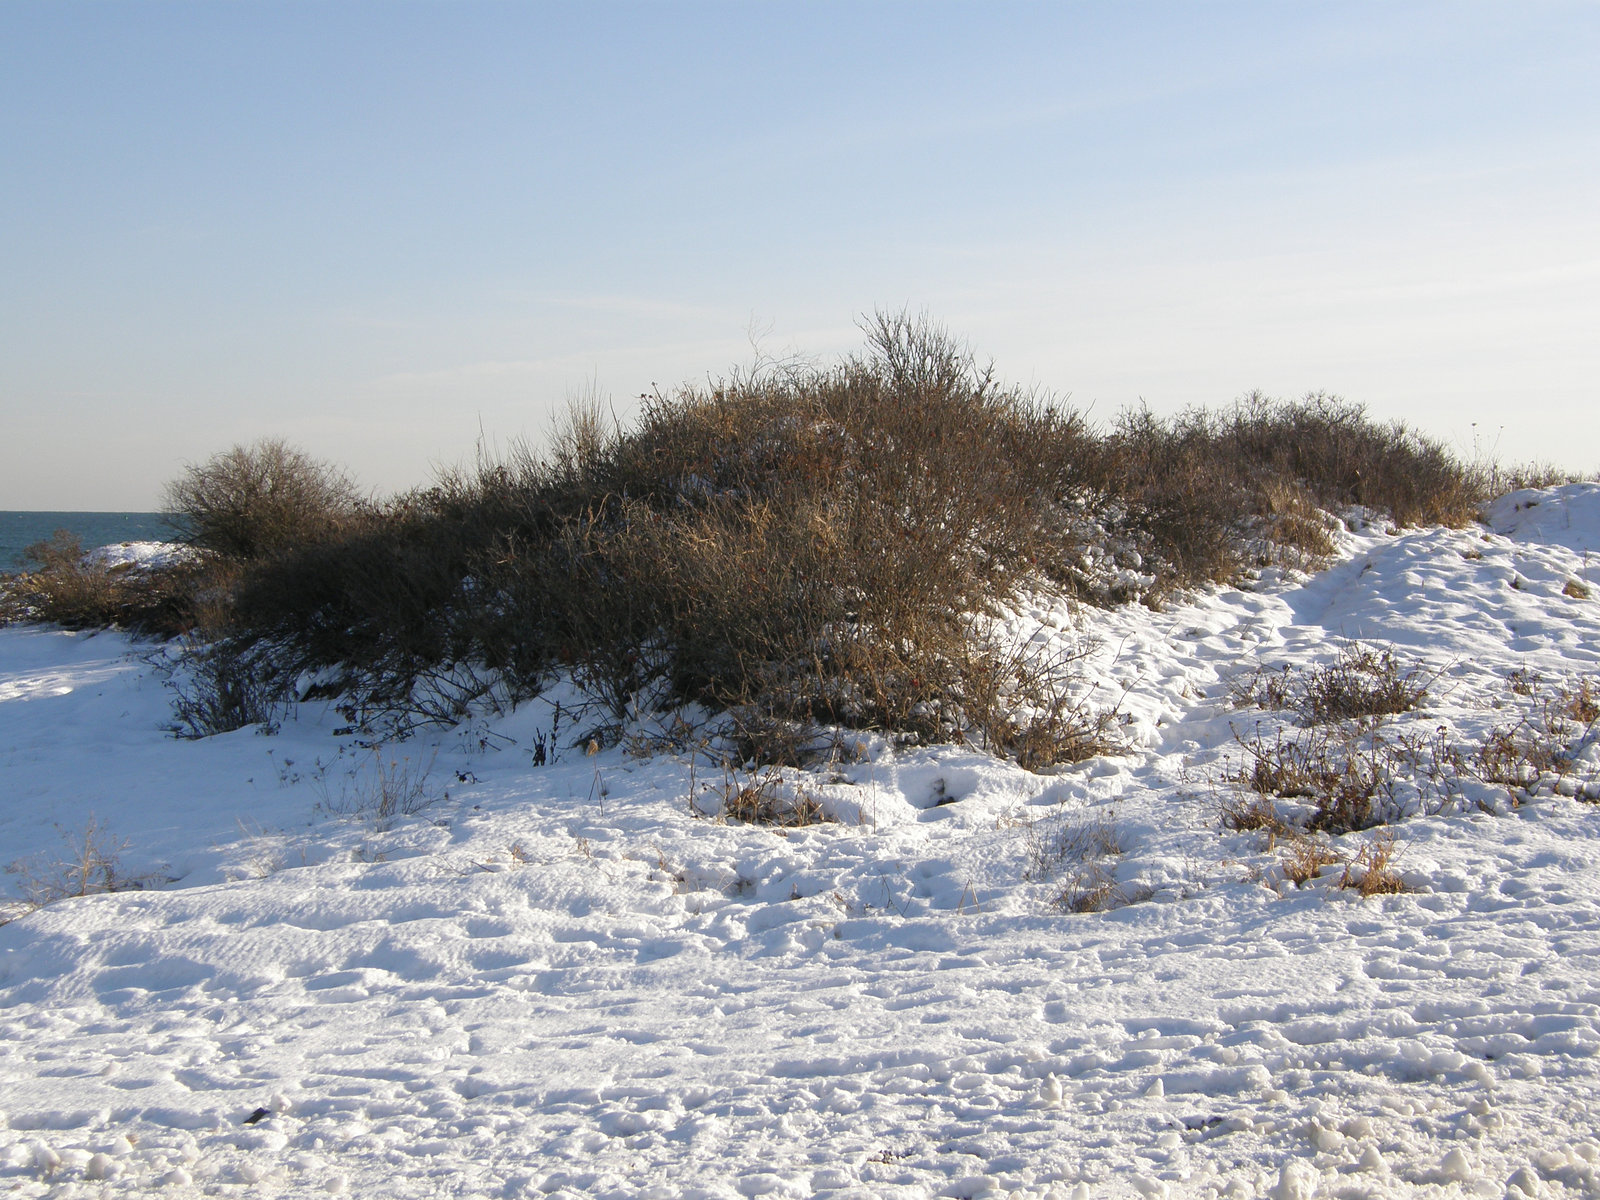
[[804, 547]]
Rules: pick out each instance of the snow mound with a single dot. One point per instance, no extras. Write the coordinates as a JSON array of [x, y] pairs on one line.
[[138, 555], [1566, 516]]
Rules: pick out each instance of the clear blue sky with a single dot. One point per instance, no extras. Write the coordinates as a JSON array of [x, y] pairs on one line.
[[381, 229]]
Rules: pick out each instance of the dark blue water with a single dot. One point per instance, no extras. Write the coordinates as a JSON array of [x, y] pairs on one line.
[[20, 529]]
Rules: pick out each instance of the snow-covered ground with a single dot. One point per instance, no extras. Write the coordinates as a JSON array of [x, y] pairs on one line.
[[566, 980]]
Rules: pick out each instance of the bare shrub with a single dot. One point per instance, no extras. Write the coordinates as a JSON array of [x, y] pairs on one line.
[[394, 612], [815, 547], [1205, 494], [1342, 457], [253, 501], [1248, 814], [1348, 779], [1363, 682], [808, 549], [1032, 707], [220, 686]]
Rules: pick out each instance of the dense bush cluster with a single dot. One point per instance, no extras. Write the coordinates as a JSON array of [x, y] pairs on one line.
[[803, 547], [794, 546]]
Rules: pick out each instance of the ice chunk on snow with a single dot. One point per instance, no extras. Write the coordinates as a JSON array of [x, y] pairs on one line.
[[1050, 1091], [1373, 1162], [1296, 1181], [45, 1159], [1455, 1168], [1523, 1185]]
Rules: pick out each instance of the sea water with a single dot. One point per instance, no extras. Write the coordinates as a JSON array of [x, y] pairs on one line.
[[19, 530]]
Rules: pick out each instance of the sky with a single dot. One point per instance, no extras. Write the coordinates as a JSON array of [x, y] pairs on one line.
[[394, 233]]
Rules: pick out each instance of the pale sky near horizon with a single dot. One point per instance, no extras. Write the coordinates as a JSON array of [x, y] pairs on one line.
[[387, 230]]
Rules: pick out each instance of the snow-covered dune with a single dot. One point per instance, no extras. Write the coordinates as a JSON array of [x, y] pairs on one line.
[[567, 980]]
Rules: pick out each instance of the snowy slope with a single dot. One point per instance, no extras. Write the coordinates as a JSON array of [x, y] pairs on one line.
[[566, 980]]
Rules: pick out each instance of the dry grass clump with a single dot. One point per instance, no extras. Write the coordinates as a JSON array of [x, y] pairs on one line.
[[764, 797], [1372, 871], [88, 863], [1058, 841], [1254, 813], [1092, 887], [1369, 870], [1580, 704], [1529, 475], [1077, 853], [382, 790], [1304, 859]]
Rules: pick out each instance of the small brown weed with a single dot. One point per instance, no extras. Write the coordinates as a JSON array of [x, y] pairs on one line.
[[1582, 703], [1304, 859], [766, 798], [1372, 871], [1091, 888], [1524, 681], [1245, 814]]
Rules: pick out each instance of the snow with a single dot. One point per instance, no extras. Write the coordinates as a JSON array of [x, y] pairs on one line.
[[138, 555], [566, 980]]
